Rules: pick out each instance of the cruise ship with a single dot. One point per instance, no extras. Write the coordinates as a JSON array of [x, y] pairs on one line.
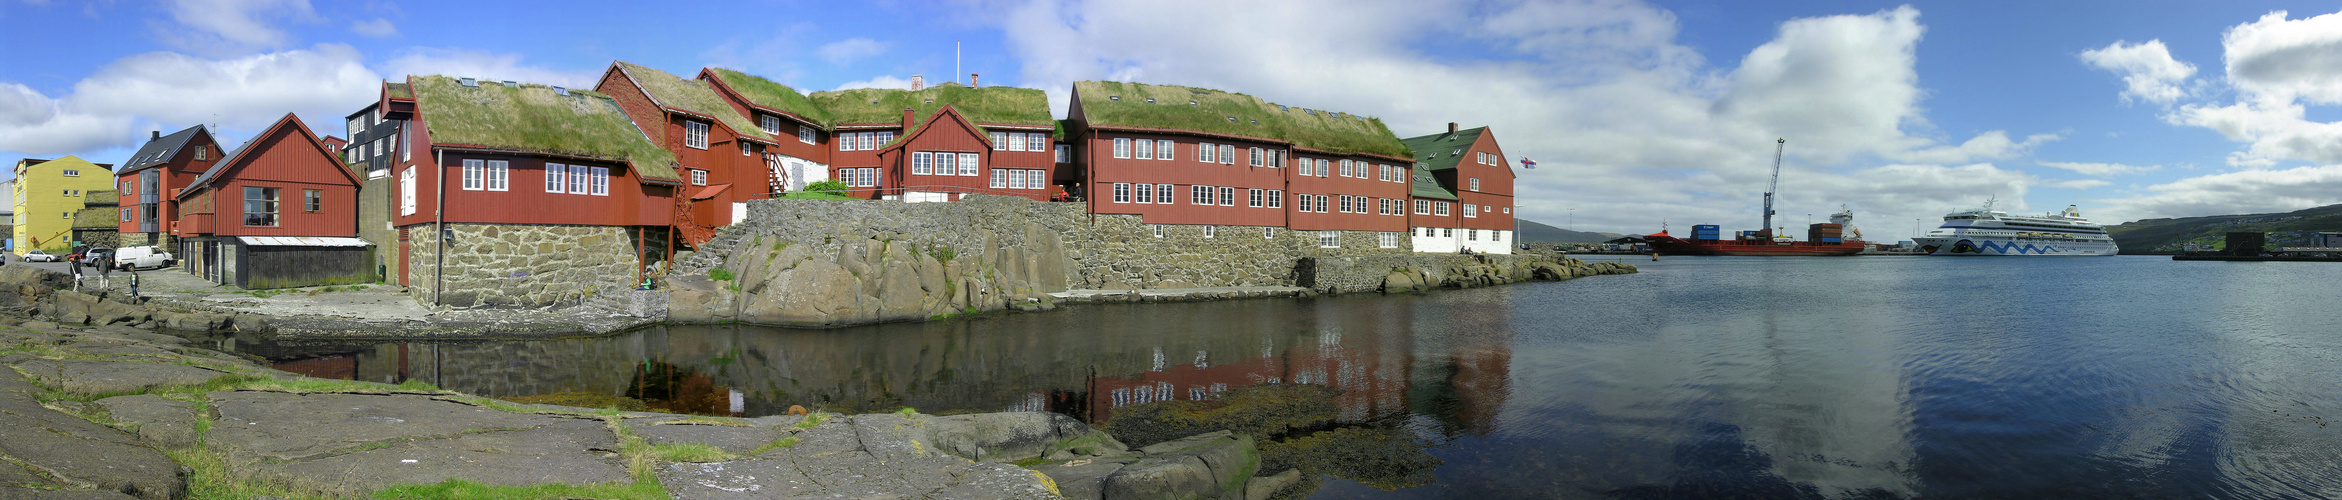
[[1986, 231]]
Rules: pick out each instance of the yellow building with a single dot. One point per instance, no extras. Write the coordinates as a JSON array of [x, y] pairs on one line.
[[48, 192]]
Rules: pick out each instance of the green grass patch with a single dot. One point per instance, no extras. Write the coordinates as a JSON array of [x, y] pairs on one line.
[[720, 274], [907, 411], [815, 193], [706, 420], [533, 118], [1001, 105], [773, 95], [1323, 130], [775, 445], [812, 420], [691, 452], [691, 95]]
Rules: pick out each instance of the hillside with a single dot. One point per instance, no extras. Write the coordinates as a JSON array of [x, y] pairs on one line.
[[2172, 235], [1533, 231]]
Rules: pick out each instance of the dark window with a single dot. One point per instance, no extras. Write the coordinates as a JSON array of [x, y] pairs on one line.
[[313, 200], [260, 206]]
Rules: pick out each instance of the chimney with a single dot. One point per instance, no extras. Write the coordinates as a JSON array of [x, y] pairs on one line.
[[918, 82], [972, 80], [906, 120], [158, 135], [1451, 127]]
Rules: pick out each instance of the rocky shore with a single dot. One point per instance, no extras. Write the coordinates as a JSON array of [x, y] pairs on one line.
[[120, 412]]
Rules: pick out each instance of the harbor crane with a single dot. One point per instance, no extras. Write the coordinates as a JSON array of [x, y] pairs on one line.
[[1773, 186]]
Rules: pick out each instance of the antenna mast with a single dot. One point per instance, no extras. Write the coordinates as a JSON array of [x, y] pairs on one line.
[[1775, 185]]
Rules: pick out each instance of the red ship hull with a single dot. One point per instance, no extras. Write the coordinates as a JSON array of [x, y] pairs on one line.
[[1664, 244]]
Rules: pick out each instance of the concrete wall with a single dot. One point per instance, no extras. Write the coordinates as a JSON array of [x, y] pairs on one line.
[[519, 265]]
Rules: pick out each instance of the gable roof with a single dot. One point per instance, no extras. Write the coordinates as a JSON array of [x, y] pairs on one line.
[[691, 97], [1174, 107], [940, 114], [157, 151], [1441, 151], [1427, 185], [769, 95], [290, 124], [532, 118], [979, 105]]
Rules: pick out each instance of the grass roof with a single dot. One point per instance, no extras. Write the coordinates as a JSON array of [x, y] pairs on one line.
[[533, 118], [773, 95], [982, 105], [1120, 104], [1441, 151], [106, 197], [96, 217], [692, 96], [399, 90]]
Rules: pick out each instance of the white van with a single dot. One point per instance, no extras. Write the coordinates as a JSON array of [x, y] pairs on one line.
[[141, 257]]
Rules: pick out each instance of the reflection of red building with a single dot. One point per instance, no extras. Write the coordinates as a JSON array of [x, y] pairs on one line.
[[1370, 367]]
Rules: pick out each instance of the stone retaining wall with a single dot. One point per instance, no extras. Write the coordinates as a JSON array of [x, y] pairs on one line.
[[520, 265]]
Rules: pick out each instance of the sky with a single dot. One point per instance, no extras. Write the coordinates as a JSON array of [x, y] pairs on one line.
[[1638, 114]]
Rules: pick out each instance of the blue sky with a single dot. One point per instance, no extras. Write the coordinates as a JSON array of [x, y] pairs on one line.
[[1637, 112]]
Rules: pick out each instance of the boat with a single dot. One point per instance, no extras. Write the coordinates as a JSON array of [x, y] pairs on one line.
[[1988, 232], [1824, 239]]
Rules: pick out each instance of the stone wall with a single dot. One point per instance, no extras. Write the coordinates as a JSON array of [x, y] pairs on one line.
[[98, 237], [517, 265], [162, 240], [374, 206]]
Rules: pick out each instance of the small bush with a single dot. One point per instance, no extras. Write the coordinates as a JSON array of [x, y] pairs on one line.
[[828, 186], [720, 274]]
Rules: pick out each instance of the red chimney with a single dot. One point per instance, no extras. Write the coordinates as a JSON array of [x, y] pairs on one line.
[[906, 120], [972, 80], [918, 82]]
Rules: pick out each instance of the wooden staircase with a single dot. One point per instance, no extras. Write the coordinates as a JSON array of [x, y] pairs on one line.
[[687, 225]]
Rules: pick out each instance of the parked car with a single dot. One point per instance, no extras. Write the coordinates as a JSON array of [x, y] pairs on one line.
[[141, 257], [39, 256], [91, 257], [76, 254]]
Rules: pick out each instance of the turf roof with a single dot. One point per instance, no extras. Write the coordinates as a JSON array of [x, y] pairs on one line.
[[1439, 151], [1120, 104], [93, 217], [773, 95], [399, 90], [691, 96], [533, 118], [982, 105]]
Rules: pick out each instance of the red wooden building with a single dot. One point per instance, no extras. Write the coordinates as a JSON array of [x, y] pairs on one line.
[[1469, 164], [280, 211], [149, 183], [803, 154], [1233, 159], [725, 158], [999, 140], [494, 209]]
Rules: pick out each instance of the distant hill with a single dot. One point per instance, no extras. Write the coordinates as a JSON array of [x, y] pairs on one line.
[[1533, 231], [2173, 235]]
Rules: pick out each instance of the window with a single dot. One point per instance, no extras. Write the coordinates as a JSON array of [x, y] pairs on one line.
[[968, 164], [601, 181], [771, 124], [1268, 233], [1016, 142], [1496, 235], [1144, 150], [1439, 208], [1252, 198], [577, 179], [743, 148], [1447, 232], [1329, 239], [1016, 178], [1321, 203], [1471, 234], [922, 163], [1307, 203], [406, 145], [73, 173], [1122, 192], [201, 152], [1382, 206], [845, 142], [1227, 154], [1390, 239], [866, 141], [1471, 210], [1227, 196], [498, 175], [1158, 229], [1276, 159], [260, 206], [125, 215], [555, 182], [1199, 195], [472, 170], [1036, 141], [694, 134], [312, 200], [1422, 207], [1475, 183], [357, 125], [883, 139], [1163, 149], [1162, 193], [1000, 178], [68, 215], [1146, 194], [1121, 148], [698, 177], [1206, 152], [999, 141], [1276, 198], [1211, 231], [1345, 168], [805, 134], [1064, 153], [406, 191], [1321, 168], [1256, 158], [381, 147]]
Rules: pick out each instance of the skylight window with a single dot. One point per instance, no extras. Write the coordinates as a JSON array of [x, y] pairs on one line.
[[1150, 100], [1191, 102], [1231, 119], [1281, 107], [1114, 98], [470, 82], [560, 90], [513, 84]]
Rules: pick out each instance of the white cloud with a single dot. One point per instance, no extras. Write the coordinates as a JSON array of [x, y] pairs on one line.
[[1994, 145], [877, 82], [2281, 60], [2240, 192], [377, 28], [170, 90], [2079, 184], [228, 26], [484, 65], [843, 52], [2100, 169], [2148, 71]]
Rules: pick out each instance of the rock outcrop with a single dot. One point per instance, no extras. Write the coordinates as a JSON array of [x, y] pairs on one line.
[[856, 281]]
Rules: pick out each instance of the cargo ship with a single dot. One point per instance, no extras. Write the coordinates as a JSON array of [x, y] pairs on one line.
[[1824, 239]]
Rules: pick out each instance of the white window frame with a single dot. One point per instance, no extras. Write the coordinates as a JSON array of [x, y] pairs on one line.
[[968, 165], [1321, 203], [771, 124], [1146, 194], [1276, 198], [1163, 149], [999, 141], [1439, 208], [744, 149], [1422, 207], [999, 178], [698, 177], [1143, 149], [1254, 157], [498, 176], [1252, 198], [1471, 211], [600, 182], [1199, 195], [471, 174], [1211, 231], [1158, 229], [1122, 192], [406, 191], [805, 133], [1016, 178], [1390, 239], [1227, 154], [1163, 194], [1227, 196], [1207, 152], [1305, 203], [1121, 147], [695, 134], [1475, 183], [556, 178], [883, 137], [922, 163], [1064, 153], [1016, 142], [577, 179], [1329, 239]]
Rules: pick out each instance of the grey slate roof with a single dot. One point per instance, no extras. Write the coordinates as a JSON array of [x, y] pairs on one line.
[[1427, 185], [157, 151]]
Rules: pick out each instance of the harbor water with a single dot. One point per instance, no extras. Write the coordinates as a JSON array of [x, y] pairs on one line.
[[1701, 377]]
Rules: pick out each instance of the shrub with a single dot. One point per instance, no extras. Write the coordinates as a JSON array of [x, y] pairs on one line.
[[720, 274], [830, 186]]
